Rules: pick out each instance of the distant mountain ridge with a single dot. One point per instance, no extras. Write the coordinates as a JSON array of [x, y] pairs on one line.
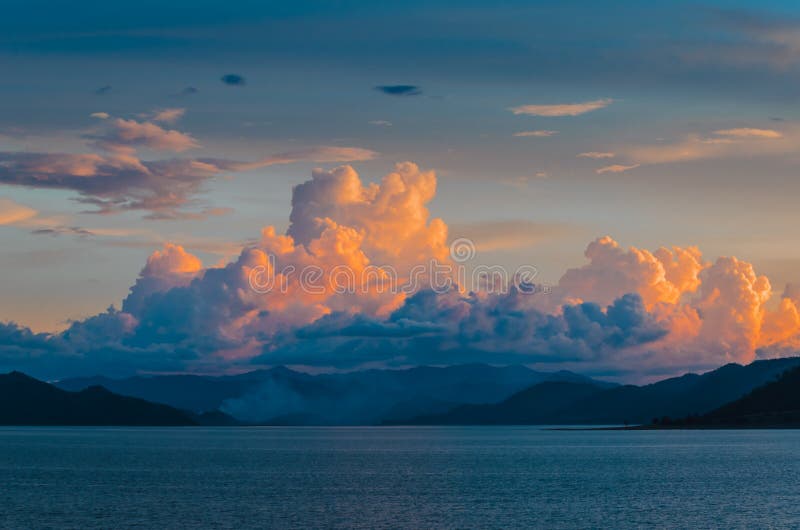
[[471, 394], [283, 396], [584, 403], [773, 405], [28, 401]]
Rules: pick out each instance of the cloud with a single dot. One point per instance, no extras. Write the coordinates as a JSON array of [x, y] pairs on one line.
[[505, 235], [116, 179], [627, 309], [616, 168], [100, 115], [126, 135], [13, 213], [725, 143], [103, 90], [564, 109], [749, 133], [381, 123], [168, 115], [21, 216], [320, 154], [597, 155], [538, 134], [188, 91], [233, 80], [399, 90]]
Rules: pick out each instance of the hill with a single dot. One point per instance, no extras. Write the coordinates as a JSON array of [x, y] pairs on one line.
[[774, 405], [28, 401], [586, 403]]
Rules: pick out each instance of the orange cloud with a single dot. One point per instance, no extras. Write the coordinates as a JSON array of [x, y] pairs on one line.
[[13, 213], [564, 109], [538, 134], [616, 168], [596, 155], [749, 133]]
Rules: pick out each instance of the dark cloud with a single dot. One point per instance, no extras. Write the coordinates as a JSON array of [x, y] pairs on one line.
[[103, 90], [399, 90], [188, 91], [63, 230], [115, 179], [233, 80]]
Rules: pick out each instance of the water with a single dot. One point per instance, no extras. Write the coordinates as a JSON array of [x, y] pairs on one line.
[[397, 477]]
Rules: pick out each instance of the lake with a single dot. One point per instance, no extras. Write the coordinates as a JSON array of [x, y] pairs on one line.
[[414, 477]]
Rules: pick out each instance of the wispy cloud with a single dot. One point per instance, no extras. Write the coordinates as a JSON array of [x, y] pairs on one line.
[[597, 155], [233, 80], [12, 212], [168, 115], [125, 135], [616, 168], [538, 134], [562, 109], [399, 90], [507, 235], [746, 132], [188, 91], [381, 123]]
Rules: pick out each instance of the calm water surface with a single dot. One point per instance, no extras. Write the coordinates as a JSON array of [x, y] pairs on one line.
[[397, 477]]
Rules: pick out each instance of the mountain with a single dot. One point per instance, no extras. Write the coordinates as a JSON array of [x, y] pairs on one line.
[[588, 403], [283, 396], [676, 397], [28, 401], [535, 405], [186, 392], [775, 404]]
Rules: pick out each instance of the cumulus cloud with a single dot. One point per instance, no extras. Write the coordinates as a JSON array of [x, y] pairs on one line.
[[100, 115], [399, 90], [626, 309], [538, 134], [117, 178], [563, 109]]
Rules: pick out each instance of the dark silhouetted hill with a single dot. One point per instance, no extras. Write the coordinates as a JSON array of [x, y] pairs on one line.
[[27, 401], [570, 403], [774, 405]]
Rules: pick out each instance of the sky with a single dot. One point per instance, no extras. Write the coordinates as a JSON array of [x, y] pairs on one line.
[[145, 149]]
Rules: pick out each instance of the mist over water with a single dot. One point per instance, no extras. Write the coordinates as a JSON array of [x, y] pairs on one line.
[[368, 477]]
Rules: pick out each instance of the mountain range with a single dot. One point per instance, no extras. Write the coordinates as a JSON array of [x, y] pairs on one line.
[[585, 403], [457, 395], [287, 397]]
